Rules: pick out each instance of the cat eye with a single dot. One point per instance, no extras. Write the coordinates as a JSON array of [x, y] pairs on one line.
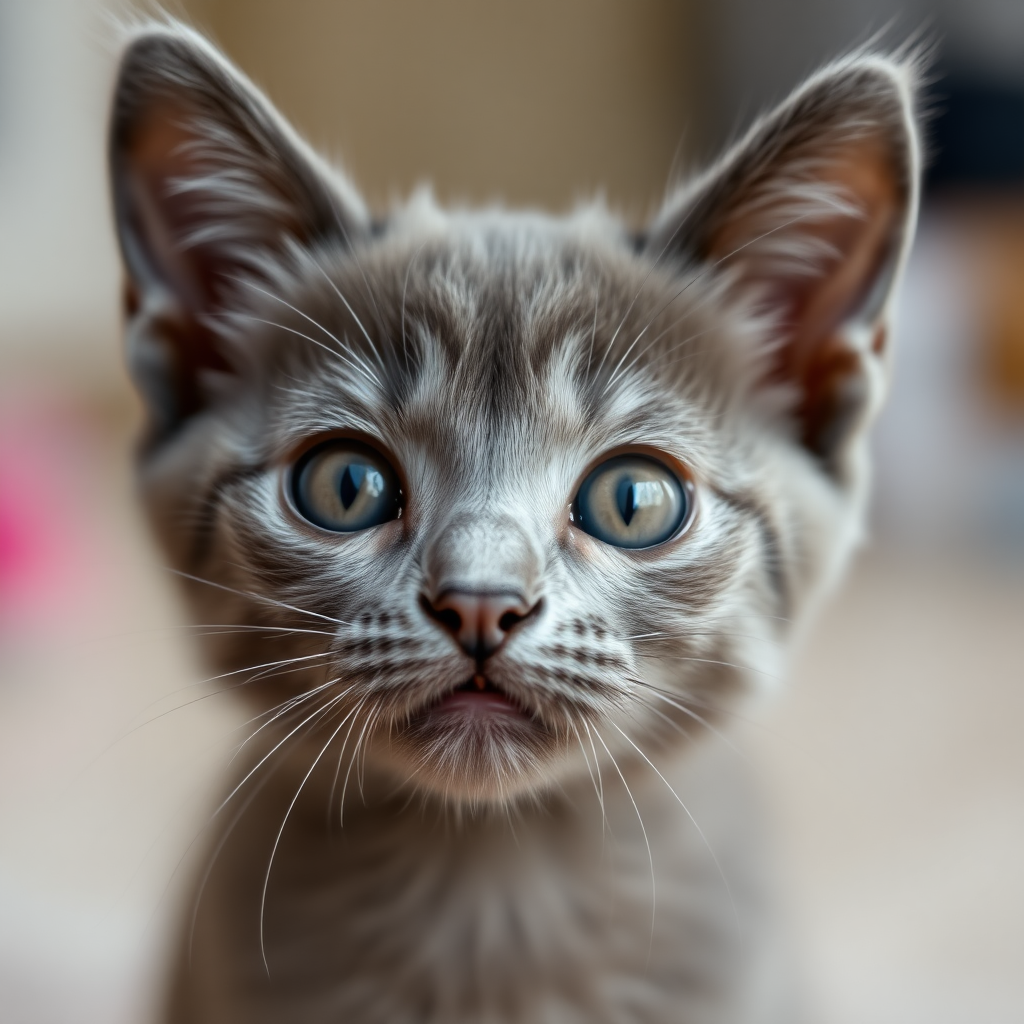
[[632, 501], [346, 486]]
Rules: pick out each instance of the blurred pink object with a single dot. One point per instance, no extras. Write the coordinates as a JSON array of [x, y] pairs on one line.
[[48, 521]]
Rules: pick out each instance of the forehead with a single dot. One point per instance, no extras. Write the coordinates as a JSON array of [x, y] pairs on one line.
[[496, 336]]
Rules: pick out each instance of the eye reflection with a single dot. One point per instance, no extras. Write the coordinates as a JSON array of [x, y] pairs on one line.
[[346, 486], [631, 501]]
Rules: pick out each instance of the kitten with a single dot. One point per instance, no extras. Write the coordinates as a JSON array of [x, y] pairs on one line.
[[493, 516]]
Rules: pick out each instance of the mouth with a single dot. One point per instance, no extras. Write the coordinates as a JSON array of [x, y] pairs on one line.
[[475, 741], [477, 699]]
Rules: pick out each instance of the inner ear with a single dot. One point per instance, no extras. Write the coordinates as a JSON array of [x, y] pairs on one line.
[[157, 172], [827, 266], [211, 188], [827, 294], [809, 217]]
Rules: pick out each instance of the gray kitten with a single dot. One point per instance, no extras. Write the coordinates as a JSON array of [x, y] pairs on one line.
[[493, 516]]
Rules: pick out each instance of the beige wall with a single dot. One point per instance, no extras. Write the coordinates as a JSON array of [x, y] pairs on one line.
[[58, 264], [531, 101]]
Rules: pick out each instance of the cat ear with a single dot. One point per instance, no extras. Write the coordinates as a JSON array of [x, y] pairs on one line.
[[811, 215], [210, 186]]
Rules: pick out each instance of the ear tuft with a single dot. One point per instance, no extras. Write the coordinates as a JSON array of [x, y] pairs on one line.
[[210, 185], [811, 215]]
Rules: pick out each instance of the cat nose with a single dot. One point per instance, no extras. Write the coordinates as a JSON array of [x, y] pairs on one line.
[[479, 622]]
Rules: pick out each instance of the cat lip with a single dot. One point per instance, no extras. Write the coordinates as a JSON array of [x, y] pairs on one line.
[[478, 695]]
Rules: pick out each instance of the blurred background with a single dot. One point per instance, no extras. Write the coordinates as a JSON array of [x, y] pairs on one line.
[[893, 762]]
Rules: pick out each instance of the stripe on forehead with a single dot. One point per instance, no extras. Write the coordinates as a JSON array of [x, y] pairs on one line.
[[484, 331]]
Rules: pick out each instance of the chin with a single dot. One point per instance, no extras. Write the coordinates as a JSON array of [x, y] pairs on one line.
[[476, 747]]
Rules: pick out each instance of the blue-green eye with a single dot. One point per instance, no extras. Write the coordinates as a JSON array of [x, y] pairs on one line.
[[631, 501], [346, 486]]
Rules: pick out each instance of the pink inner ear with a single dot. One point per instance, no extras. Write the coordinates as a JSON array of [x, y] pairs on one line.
[[161, 156], [815, 305], [204, 201], [814, 302], [865, 247], [158, 159], [161, 164]]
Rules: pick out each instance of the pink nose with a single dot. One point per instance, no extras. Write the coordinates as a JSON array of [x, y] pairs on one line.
[[479, 622]]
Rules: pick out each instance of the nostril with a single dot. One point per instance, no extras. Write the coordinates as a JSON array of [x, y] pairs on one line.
[[512, 618], [450, 618], [509, 620]]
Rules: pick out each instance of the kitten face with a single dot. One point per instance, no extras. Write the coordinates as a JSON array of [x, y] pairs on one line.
[[420, 457], [502, 399]]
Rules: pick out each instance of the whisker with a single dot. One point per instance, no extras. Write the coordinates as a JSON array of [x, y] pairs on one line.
[[590, 772], [371, 724], [284, 708], [276, 711], [701, 274], [337, 771], [228, 831], [717, 733], [664, 249], [226, 628], [296, 659], [405, 289], [593, 331], [249, 283], [345, 355], [212, 860], [659, 360], [600, 779], [178, 707], [352, 312], [726, 616], [274, 750], [668, 721], [256, 597], [647, 842], [693, 633], [679, 800], [280, 832], [724, 664], [343, 347], [260, 672], [685, 315], [352, 761], [148, 631]]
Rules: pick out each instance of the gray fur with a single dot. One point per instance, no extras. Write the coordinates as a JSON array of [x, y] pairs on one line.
[[547, 871]]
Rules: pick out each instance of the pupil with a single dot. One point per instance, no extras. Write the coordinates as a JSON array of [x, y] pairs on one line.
[[627, 500], [351, 480]]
